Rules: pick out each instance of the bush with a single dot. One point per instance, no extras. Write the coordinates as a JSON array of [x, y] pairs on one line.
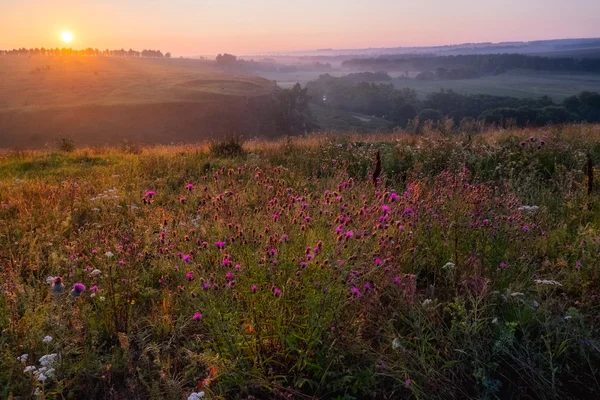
[[66, 145], [230, 148]]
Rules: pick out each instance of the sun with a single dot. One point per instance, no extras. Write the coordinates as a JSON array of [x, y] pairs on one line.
[[67, 37]]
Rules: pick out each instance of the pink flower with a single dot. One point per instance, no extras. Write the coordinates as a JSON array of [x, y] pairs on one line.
[[275, 217], [254, 288], [349, 234], [276, 292], [339, 229], [197, 316], [220, 245], [189, 276], [186, 258], [229, 276], [189, 187], [393, 197], [355, 292], [150, 193]]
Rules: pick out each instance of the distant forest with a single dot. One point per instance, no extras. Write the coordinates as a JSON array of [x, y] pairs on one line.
[[467, 66], [89, 52], [401, 106]]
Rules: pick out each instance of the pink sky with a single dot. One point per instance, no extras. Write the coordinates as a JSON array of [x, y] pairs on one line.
[[191, 27]]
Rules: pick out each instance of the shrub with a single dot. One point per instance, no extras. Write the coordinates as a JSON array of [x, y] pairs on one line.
[[229, 148]]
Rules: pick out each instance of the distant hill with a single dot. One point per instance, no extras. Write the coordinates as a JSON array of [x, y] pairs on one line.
[[97, 100]]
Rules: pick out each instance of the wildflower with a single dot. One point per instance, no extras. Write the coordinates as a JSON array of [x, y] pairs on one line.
[[109, 254], [29, 368], [94, 289], [182, 200], [426, 302], [355, 292], [186, 258], [189, 187], [284, 238], [229, 276], [367, 287], [393, 197], [95, 272], [196, 396], [254, 288], [395, 343], [339, 229], [397, 280], [41, 377], [275, 217], [238, 267], [408, 382], [522, 144], [150, 194], [349, 234], [547, 282], [197, 316], [57, 285], [189, 276], [220, 245], [47, 339], [525, 228], [48, 359], [272, 252], [276, 292], [23, 358], [449, 265], [385, 209], [78, 288], [578, 264]]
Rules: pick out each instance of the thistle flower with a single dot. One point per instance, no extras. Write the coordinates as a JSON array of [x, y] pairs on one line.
[[186, 258], [78, 288], [254, 288], [189, 187], [57, 285], [150, 194], [197, 316], [220, 245], [355, 292], [349, 234], [189, 276], [229, 276], [276, 292]]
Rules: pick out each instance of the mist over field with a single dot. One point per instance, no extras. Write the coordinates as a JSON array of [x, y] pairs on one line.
[[299, 200]]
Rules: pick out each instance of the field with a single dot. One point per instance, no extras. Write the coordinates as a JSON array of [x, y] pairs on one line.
[[468, 268], [99, 100], [513, 83]]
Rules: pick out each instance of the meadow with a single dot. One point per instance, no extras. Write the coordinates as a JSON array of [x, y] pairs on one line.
[[467, 268], [517, 83]]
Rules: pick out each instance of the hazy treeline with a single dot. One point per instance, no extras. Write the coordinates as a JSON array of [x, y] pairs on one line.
[[476, 63], [400, 106], [89, 52]]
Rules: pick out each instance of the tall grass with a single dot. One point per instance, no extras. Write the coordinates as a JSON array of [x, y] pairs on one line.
[[470, 270]]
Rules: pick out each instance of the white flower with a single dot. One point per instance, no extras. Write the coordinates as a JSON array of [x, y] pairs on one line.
[[42, 377], [547, 282], [93, 295], [196, 396], [47, 339], [109, 254], [515, 294], [536, 304], [395, 343], [449, 265], [529, 208], [50, 372], [29, 369], [23, 358], [95, 272], [568, 317], [495, 320], [426, 302], [49, 280], [102, 298], [48, 359]]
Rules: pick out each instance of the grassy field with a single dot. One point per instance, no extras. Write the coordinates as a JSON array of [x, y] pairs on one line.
[[513, 83], [99, 100], [281, 270]]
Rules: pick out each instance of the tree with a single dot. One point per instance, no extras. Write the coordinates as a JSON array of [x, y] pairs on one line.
[[168, 55], [293, 114]]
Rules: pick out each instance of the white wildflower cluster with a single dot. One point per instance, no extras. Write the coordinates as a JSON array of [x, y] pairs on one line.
[[46, 369], [95, 272], [23, 358], [449, 265], [50, 280], [395, 343], [109, 254], [106, 195], [427, 302], [547, 282], [529, 208], [47, 339], [196, 396]]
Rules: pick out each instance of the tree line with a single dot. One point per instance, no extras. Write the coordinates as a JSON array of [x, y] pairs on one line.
[[89, 52], [401, 106], [475, 63]]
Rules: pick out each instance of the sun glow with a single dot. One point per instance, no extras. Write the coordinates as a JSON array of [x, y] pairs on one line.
[[67, 37]]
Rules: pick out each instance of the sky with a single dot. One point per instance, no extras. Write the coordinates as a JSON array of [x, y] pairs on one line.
[[195, 27]]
